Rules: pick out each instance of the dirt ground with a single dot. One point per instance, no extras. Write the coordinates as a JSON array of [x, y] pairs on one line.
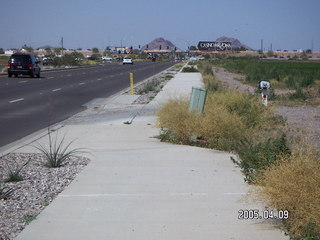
[[303, 120]]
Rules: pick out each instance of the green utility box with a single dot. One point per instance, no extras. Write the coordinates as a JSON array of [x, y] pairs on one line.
[[198, 99]]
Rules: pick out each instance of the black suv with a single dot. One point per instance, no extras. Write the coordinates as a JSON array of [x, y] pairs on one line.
[[23, 63]]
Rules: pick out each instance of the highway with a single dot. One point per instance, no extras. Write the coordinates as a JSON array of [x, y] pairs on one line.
[[30, 104]]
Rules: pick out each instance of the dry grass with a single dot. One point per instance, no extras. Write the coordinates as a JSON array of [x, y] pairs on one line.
[[294, 185], [174, 115], [216, 126], [228, 118], [211, 83]]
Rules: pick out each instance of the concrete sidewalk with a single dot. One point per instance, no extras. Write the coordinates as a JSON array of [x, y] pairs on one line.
[[138, 188]]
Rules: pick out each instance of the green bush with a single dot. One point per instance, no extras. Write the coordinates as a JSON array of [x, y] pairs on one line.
[[189, 69], [256, 157]]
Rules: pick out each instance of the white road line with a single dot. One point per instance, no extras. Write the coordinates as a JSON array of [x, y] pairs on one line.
[[82, 83], [57, 89], [16, 100], [50, 77], [24, 81], [99, 79]]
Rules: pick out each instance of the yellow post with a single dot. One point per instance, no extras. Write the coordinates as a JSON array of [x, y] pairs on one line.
[[131, 84]]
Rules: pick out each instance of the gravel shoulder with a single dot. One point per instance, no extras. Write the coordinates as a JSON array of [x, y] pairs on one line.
[[39, 187], [304, 121]]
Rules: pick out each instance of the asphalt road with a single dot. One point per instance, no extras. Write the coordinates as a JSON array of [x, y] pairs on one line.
[[30, 104]]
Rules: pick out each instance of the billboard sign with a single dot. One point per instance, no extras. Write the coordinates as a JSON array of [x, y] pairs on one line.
[[214, 46]]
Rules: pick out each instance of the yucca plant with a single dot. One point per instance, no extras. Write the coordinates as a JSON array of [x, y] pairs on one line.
[[57, 153], [14, 171], [5, 191]]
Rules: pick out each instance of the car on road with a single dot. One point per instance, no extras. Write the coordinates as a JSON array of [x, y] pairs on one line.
[[23, 64], [107, 59], [127, 60]]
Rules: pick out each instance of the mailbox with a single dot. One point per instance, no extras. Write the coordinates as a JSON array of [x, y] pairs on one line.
[[264, 85]]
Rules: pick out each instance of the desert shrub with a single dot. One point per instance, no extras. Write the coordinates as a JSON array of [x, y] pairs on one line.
[[175, 116], [245, 106], [205, 68], [211, 83], [168, 77], [293, 184], [150, 86], [189, 69], [216, 126], [228, 118], [256, 157], [221, 128]]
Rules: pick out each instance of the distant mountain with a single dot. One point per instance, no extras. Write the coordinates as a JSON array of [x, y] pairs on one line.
[[235, 43], [156, 43]]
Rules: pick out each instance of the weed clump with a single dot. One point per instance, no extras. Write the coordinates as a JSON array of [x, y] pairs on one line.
[[189, 69], [177, 122], [293, 184]]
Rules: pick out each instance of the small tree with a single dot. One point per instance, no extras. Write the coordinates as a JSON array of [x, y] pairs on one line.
[[95, 50]]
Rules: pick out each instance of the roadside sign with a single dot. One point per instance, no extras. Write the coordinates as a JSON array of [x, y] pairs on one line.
[[214, 46]]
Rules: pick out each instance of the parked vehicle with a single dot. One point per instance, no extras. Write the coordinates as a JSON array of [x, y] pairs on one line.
[[127, 60], [23, 64]]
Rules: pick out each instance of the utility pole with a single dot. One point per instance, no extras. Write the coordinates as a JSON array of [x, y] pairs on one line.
[[261, 45], [61, 46]]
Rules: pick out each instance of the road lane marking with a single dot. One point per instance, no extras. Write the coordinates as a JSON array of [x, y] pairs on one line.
[[57, 89], [82, 83], [99, 79], [50, 77], [16, 100], [23, 81]]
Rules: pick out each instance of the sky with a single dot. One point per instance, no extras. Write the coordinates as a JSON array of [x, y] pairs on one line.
[[284, 24]]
